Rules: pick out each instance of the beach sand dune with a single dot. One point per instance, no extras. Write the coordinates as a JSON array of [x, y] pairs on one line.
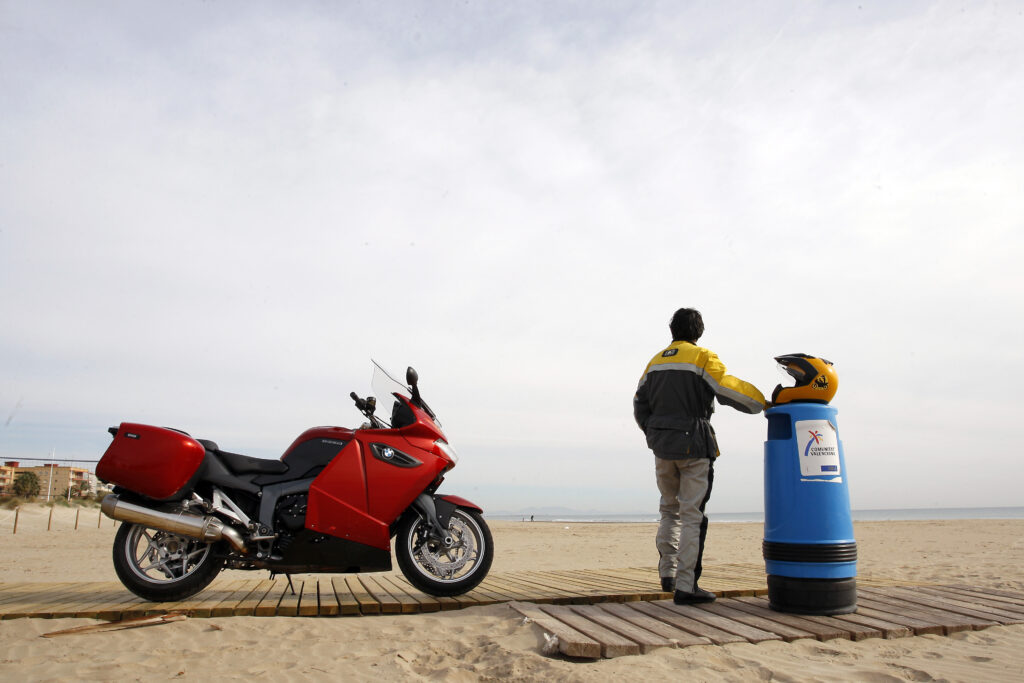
[[488, 643]]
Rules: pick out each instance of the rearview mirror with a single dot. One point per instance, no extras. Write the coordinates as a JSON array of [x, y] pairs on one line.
[[411, 377]]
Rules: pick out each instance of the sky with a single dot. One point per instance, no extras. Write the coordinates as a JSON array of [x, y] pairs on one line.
[[214, 214]]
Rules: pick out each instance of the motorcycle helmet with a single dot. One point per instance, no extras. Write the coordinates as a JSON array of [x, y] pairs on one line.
[[816, 381]]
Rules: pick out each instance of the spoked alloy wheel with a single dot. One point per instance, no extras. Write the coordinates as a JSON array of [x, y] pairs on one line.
[[445, 570], [161, 566]]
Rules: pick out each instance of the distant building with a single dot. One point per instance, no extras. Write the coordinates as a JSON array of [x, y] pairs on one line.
[[54, 480], [7, 471]]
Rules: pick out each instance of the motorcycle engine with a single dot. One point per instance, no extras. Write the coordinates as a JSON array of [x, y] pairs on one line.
[[290, 517]]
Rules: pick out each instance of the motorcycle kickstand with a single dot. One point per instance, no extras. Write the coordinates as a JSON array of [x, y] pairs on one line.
[[287, 576]]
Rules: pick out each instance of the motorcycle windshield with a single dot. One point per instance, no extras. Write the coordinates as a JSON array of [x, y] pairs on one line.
[[385, 386]]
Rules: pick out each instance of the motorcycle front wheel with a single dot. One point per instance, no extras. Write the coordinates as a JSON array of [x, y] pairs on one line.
[[163, 567], [445, 570]]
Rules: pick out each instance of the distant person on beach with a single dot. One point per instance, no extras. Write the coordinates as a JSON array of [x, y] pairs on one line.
[[673, 405]]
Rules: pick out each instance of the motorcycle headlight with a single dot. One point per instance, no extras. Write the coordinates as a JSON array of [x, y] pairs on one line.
[[449, 452]]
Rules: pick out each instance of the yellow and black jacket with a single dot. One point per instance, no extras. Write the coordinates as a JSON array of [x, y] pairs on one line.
[[675, 399]]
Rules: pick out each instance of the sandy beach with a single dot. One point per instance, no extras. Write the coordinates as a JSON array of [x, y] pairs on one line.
[[489, 643]]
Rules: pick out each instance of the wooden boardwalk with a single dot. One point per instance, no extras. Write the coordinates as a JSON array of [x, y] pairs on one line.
[[615, 629], [355, 594], [586, 613]]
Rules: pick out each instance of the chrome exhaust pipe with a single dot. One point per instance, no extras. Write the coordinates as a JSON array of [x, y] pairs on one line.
[[204, 528]]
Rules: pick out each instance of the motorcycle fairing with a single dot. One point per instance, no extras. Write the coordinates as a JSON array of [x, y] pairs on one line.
[[309, 454], [359, 495], [338, 501]]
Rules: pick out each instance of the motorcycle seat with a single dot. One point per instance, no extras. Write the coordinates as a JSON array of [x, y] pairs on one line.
[[244, 464]]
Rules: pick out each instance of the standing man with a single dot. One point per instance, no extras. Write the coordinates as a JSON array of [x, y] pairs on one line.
[[673, 405]]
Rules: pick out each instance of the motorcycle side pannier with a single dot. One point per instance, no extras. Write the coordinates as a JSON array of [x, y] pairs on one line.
[[156, 462]]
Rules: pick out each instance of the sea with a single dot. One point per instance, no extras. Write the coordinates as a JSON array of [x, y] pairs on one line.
[[858, 515]]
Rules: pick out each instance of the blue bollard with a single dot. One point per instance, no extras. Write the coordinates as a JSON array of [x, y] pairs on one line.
[[809, 550]]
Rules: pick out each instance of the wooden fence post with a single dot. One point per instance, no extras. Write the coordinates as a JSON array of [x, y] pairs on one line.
[[77, 513], [17, 511], [50, 523], [99, 519]]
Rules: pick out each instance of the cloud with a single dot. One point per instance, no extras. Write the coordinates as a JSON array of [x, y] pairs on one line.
[[214, 218]]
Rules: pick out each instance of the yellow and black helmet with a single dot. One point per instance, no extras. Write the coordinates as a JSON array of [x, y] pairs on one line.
[[816, 381]]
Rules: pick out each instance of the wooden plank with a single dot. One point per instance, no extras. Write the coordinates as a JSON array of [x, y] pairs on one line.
[[749, 633], [611, 581], [267, 606], [919, 627], [424, 602], [570, 641], [612, 644], [546, 586], [540, 593], [856, 629], [407, 603], [480, 595], [851, 630], [724, 608], [759, 607], [214, 595], [953, 603], [69, 603], [697, 628], [367, 603], [921, 621], [628, 612], [326, 599], [627, 588], [116, 609], [288, 603], [981, 598], [143, 608], [33, 601], [586, 585], [944, 616], [235, 593], [888, 629], [647, 581], [191, 606], [475, 597], [388, 603], [309, 603], [647, 640], [31, 592], [992, 592], [346, 601], [246, 607], [499, 584]]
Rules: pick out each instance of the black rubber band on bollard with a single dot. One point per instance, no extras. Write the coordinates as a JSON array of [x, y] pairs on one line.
[[809, 552]]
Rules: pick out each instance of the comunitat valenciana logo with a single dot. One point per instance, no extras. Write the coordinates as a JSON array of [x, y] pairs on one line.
[[813, 441]]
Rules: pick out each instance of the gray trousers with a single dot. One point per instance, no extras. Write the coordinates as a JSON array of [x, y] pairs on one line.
[[685, 487]]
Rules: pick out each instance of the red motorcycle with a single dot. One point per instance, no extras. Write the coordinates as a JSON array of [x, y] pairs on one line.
[[331, 504]]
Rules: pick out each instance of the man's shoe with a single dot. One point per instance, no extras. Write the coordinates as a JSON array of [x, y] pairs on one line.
[[698, 596], [668, 584]]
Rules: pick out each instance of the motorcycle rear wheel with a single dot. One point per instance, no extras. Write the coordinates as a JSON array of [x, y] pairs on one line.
[[442, 571], [163, 567]]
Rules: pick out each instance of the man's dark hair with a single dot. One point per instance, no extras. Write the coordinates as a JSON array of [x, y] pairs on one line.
[[686, 325]]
